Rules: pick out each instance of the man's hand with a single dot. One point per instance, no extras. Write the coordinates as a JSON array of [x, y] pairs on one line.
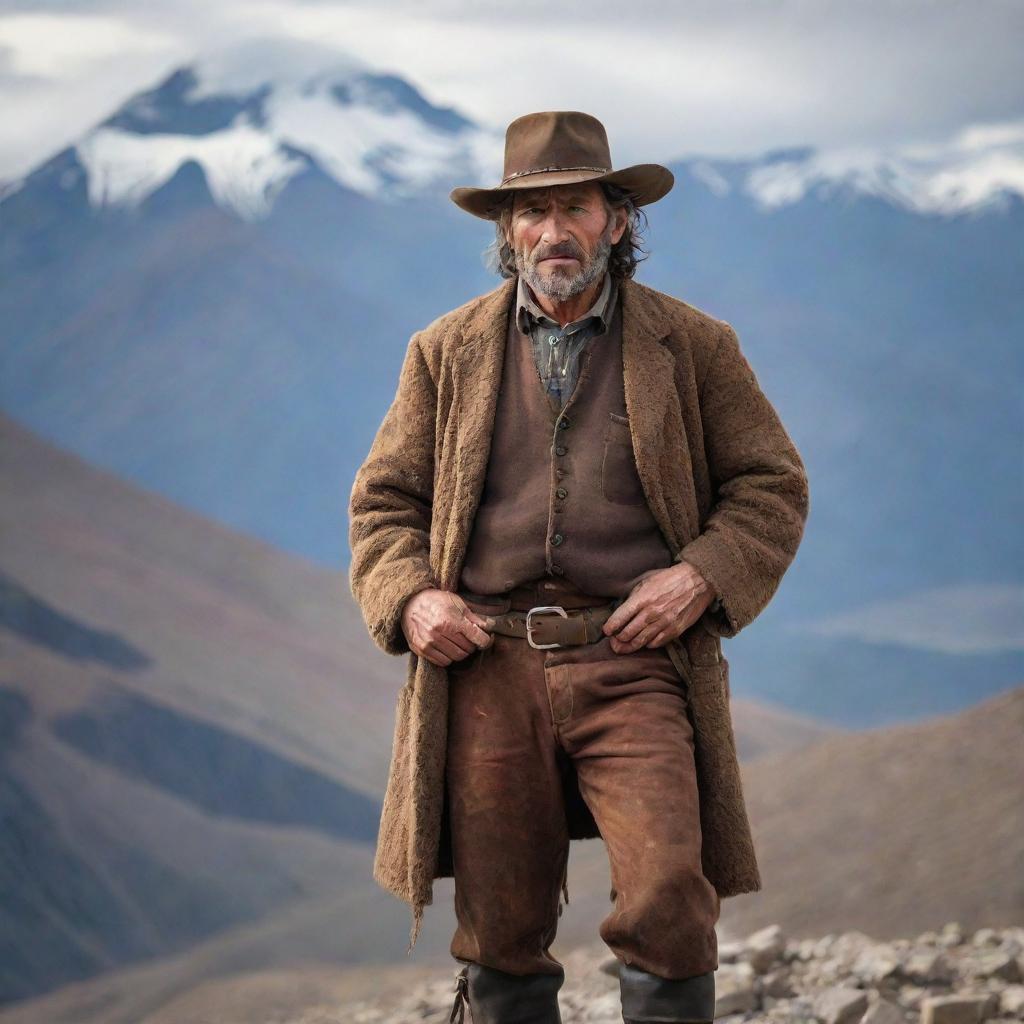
[[661, 606], [442, 628]]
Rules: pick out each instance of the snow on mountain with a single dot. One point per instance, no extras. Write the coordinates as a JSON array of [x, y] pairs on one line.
[[980, 166], [255, 115]]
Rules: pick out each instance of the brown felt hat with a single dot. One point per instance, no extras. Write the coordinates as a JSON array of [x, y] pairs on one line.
[[558, 147]]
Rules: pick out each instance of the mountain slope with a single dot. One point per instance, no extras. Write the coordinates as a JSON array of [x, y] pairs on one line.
[[893, 830], [196, 727]]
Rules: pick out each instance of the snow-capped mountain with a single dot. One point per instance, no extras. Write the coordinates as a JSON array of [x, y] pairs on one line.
[[259, 113], [980, 167]]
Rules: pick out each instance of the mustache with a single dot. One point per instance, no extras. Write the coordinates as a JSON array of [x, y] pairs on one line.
[[559, 251]]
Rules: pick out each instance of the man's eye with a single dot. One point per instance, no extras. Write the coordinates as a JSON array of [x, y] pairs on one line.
[[537, 209]]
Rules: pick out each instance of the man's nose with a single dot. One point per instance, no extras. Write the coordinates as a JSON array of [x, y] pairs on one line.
[[555, 228]]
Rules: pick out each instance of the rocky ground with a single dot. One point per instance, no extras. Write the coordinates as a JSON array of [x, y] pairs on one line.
[[944, 977]]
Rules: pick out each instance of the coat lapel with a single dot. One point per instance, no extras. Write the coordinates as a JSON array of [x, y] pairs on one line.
[[477, 362], [648, 371]]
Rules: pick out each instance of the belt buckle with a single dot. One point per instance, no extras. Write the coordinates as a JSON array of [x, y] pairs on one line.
[[536, 609]]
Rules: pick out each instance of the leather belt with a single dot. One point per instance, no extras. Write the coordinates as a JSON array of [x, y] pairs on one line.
[[550, 625]]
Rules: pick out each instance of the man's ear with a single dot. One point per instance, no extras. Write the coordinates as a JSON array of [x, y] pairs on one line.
[[621, 219]]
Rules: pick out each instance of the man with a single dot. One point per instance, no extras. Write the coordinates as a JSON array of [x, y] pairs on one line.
[[578, 490]]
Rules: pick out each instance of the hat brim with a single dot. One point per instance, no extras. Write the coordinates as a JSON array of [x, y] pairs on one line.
[[647, 183]]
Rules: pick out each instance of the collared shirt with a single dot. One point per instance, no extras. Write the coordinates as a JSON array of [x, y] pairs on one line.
[[557, 349]]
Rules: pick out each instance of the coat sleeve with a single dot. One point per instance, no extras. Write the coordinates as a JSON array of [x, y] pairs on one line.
[[755, 526], [390, 507]]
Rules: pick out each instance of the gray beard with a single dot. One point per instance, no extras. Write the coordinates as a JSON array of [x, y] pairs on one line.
[[563, 286]]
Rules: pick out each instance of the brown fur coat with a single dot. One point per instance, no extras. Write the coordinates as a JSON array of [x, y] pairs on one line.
[[722, 477]]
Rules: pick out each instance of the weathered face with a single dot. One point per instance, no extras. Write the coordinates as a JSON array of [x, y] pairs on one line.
[[562, 235]]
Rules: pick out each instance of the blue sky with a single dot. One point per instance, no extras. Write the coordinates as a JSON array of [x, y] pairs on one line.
[[668, 79]]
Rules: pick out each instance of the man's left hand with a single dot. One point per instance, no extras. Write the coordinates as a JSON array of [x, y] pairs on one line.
[[660, 607]]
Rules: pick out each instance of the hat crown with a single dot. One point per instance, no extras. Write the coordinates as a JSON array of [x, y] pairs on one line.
[[555, 140], [550, 148]]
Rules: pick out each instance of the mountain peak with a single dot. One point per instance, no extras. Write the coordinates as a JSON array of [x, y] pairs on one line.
[[257, 113]]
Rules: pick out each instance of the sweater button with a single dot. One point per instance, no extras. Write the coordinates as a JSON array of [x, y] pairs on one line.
[[557, 539], [564, 422], [561, 450], [557, 570], [561, 492]]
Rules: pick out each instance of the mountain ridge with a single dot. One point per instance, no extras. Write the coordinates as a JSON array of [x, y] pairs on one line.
[[245, 114]]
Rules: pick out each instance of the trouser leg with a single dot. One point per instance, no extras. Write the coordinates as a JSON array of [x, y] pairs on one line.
[[625, 725], [509, 837]]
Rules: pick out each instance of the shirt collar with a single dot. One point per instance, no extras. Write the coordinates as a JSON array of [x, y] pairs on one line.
[[527, 310]]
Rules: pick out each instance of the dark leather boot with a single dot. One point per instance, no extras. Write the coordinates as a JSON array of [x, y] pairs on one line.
[[648, 997], [496, 997]]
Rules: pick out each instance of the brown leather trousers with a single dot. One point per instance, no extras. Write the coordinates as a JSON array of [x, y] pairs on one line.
[[518, 719]]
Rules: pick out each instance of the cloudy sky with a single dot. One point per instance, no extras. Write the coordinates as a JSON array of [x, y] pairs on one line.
[[668, 78]]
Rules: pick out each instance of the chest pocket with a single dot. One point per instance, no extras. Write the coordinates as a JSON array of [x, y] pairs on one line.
[[620, 483]]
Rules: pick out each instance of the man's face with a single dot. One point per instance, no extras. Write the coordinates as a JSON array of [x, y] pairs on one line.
[[562, 236]]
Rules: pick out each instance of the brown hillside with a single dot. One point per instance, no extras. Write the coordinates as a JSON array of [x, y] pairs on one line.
[[893, 830]]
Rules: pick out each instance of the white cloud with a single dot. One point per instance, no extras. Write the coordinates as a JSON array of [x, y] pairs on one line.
[[961, 618], [63, 46], [667, 79]]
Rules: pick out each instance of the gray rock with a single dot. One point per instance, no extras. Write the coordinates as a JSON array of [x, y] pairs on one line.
[[1011, 1001], [928, 966], [764, 948], [882, 1011], [735, 989], [997, 964], [730, 952], [778, 984], [912, 996], [876, 964], [961, 1008], [840, 1004], [803, 949]]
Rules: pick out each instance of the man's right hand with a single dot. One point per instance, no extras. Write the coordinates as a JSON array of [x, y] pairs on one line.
[[442, 628]]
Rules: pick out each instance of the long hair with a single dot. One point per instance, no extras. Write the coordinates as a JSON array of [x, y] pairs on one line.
[[626, 253]]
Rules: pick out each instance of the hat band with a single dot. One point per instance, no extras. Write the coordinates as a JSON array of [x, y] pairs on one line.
[[542, 170]]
